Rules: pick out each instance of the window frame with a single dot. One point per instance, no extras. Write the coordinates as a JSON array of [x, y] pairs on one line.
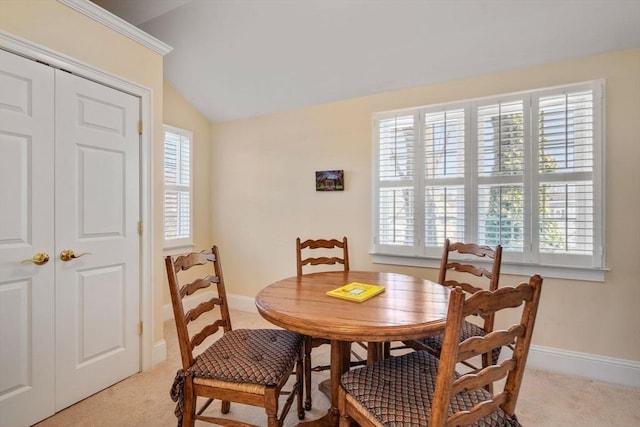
[[177, 245], [529, 260]]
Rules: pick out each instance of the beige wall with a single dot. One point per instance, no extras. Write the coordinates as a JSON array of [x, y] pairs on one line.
[[179, 113], [59, 28], [260, 180], [263, 197]]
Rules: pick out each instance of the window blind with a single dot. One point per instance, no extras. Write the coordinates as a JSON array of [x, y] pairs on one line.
[[396, 165], [520, 170], [565, 168], [444, 136], [501, 196], [177, 187]]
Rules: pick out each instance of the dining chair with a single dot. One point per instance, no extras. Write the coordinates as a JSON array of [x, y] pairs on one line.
[[471, 276], [248, 366], [419, 389], [321, 252]]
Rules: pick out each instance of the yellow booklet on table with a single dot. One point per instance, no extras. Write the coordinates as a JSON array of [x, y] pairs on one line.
[[356, 291]]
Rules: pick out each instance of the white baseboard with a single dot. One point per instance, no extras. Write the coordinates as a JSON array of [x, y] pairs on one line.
[[592, 366], [242, 303], [159, 352]]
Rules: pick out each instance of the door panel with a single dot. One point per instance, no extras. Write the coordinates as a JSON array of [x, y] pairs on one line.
[[97, 212], [101, 290], [27, 370], [102, 200], [15, 179]]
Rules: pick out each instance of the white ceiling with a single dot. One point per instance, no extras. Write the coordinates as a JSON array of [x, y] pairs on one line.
[[242, 58]]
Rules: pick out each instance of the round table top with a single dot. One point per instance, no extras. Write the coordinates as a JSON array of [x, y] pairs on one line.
[[409, 308]]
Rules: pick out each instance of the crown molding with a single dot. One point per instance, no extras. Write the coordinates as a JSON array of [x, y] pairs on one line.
[[117, 24]]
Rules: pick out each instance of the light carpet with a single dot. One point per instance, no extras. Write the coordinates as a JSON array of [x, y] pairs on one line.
[[546, 399]]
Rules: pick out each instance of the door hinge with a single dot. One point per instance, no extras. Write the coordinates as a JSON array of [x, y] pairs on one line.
[[139, 127], [140, 328], [139, 228]]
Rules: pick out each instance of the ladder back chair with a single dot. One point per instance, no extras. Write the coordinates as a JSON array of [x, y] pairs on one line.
[[470, 283], [248, 366], [321, 252], [419, 389], [306, 248]]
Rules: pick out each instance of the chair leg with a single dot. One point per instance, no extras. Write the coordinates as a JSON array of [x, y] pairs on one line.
[[307, 372], [344, 419], [272, 420], [300, 384], [271, 408], [189, 415], [226, 407]]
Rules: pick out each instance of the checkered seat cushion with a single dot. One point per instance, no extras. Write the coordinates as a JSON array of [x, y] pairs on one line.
[[251, 358], [256, 356], [398, 391]]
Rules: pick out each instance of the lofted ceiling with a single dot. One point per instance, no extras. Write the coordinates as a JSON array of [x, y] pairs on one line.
[[234, 59]]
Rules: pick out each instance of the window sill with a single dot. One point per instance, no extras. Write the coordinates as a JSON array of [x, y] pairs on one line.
[[177, 250], [573, 273]]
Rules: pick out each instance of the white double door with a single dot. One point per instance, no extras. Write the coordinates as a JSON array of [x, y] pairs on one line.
[[69, 180]]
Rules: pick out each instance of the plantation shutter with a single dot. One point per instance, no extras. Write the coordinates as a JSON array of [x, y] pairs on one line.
[[522, 170], [177, 187], [396, 181], [444, 169], [565, 173], [500, 194]]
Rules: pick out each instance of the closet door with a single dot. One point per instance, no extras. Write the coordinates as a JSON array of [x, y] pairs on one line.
[[27, 369], [96, 216], [69, 180]]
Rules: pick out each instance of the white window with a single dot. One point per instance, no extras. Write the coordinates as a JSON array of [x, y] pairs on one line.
[[521, 170], [178, 189]]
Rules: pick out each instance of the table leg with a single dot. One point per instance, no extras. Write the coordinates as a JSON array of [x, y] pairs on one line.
[[374, 352], [340, 357], [340, 360]]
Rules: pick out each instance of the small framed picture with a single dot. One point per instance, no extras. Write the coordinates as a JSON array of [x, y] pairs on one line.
[[330, 180]]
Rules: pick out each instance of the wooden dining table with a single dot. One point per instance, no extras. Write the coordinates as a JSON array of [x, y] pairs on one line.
[[409, 308]]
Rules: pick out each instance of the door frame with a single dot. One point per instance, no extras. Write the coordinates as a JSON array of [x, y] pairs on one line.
[[34, 51]]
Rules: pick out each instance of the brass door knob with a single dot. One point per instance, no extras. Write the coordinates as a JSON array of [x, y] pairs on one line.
[[68, 255], [39, 258]]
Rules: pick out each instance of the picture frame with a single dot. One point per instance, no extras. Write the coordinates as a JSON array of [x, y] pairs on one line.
[[330, 180]]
